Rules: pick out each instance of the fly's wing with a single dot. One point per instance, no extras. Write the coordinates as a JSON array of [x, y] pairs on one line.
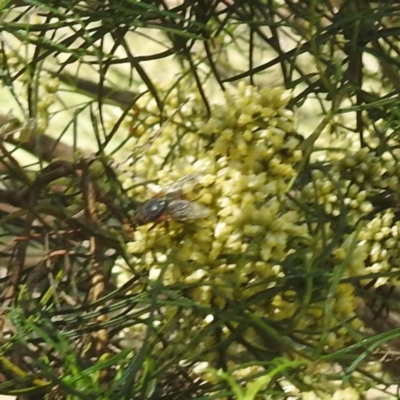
[[182, 210], [180, 186]]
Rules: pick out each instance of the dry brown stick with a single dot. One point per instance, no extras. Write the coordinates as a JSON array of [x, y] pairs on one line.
[[41, 145], [118, 97], [97, 289]]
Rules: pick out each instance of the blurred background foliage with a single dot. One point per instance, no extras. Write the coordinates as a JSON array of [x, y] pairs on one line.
[[102, 99]]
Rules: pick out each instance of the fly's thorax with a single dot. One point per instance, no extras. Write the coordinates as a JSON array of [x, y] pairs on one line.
[[152, 210]]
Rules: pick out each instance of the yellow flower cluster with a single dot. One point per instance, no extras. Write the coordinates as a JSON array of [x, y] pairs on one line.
[[349, 189], [44, 96], [244, 157]]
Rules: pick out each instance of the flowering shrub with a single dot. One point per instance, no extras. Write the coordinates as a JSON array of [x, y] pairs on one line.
[[279, 243]]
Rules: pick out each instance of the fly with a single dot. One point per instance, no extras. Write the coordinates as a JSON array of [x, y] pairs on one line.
[[169, 204]]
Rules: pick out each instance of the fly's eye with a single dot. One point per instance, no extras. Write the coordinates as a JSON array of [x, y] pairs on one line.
[[152, 209]]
